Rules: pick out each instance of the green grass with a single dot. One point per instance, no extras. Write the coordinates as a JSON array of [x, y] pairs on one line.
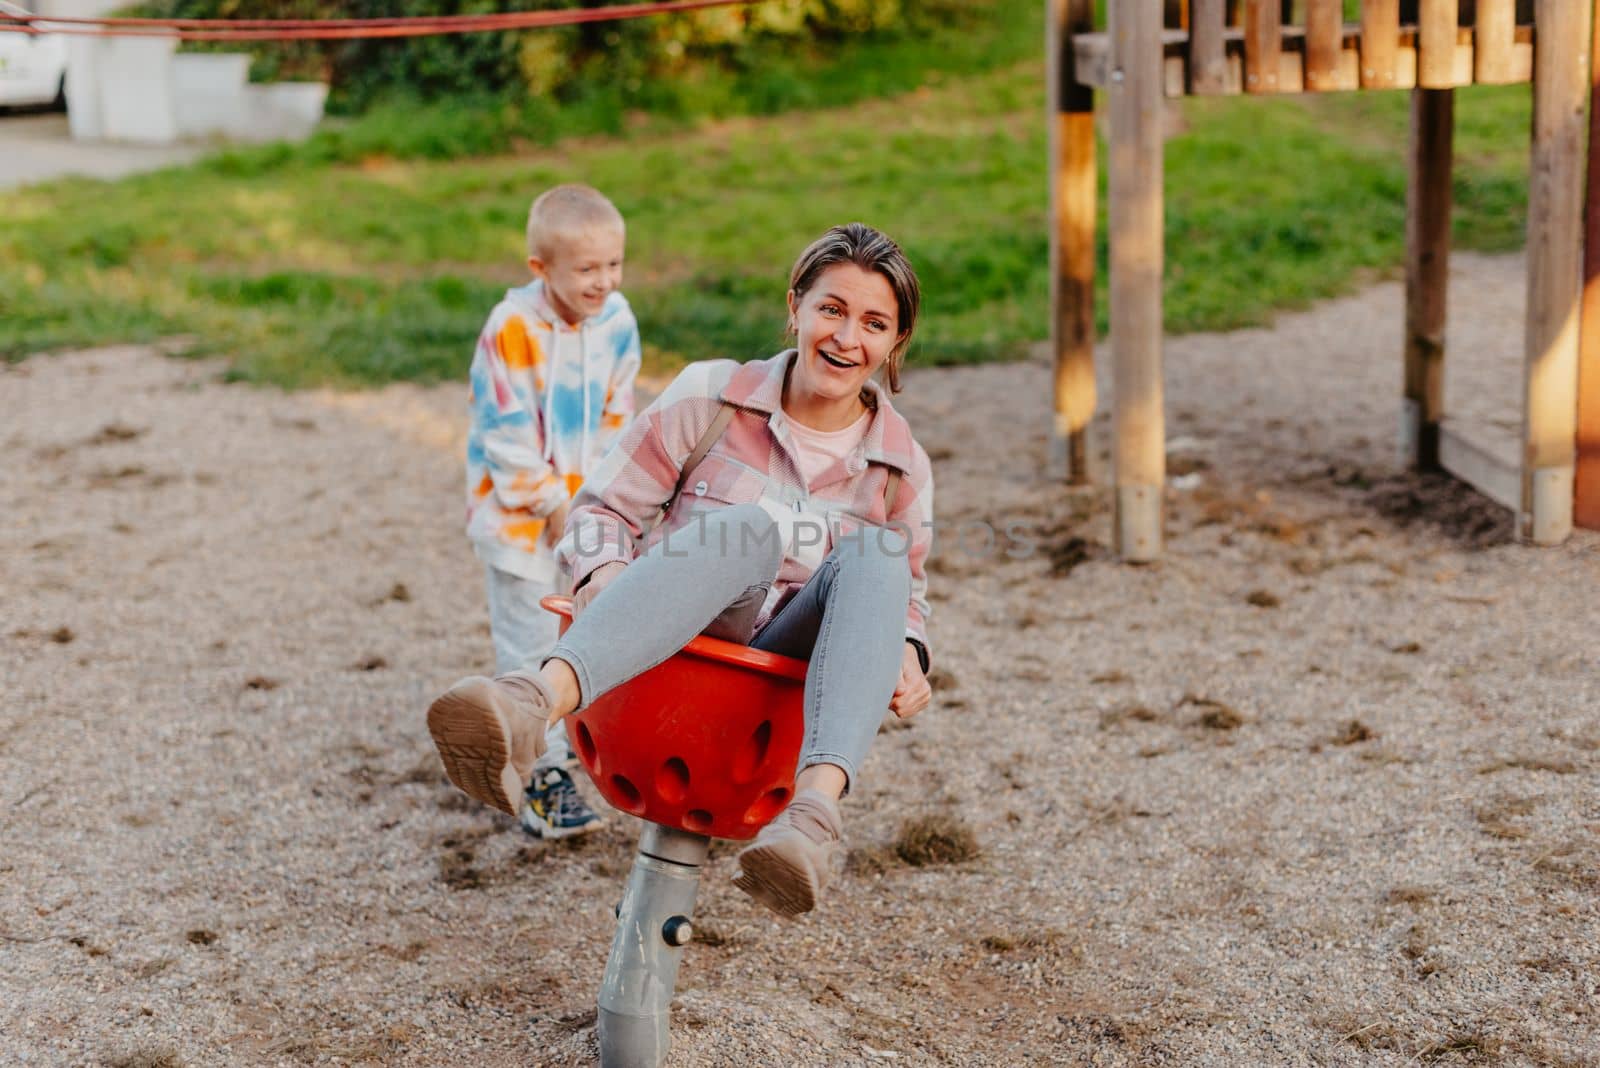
[[309, 271]]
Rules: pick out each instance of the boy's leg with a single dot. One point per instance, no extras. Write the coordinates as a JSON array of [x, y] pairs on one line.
[[523, 635], [849, 622], [550, 806]]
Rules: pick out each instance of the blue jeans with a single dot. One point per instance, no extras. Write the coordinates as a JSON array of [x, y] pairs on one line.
[[848, 621]]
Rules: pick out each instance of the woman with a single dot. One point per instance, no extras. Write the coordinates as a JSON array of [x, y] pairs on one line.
[[781, 503]]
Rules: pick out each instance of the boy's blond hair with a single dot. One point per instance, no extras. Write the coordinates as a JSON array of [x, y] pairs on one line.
[[566, 210]]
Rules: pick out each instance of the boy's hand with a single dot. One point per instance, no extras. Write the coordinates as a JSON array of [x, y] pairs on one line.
[[913, 692], [555, 524], [599, 579]]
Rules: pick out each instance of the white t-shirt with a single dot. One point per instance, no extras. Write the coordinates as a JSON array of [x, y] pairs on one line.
[[817, 450]]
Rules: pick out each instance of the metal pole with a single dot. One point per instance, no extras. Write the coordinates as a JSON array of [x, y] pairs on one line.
[[653, 926]]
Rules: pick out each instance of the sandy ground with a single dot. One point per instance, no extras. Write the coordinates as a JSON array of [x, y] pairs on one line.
[[1319, 788]]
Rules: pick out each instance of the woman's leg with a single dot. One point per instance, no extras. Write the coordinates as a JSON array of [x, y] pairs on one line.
[[712, 576], [490, 732], [849, 622]]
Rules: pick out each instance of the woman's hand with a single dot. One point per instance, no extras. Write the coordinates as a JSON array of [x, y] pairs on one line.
[[913, 693], [599, 579], [555, 524]]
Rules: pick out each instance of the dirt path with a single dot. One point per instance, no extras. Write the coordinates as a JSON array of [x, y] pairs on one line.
[[1320, 788]]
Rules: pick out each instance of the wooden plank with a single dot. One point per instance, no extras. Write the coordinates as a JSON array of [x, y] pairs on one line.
[[1484, 457], [1555, 222], [1173, 77], [1493, 40], [1380, 40], [1091, 60], [1324, 44], [1436, 44], [1263, 46], [1586, 480], [1291, 75], [1427, 272], [1521, 62], [1207, 63], [1139, 450], [1072, 191], [1092, 56]]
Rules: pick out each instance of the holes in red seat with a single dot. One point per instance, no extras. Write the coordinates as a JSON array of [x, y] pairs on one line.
[[672, 780], [697, 820], [586, 748], [767, 806], [632, 801], [750, 756]]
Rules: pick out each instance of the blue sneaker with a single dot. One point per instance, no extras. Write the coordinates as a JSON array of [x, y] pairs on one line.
[[553, 808]]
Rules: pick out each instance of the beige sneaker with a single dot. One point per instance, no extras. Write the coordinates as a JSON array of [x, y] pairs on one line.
[[792, 860], [490, 732]]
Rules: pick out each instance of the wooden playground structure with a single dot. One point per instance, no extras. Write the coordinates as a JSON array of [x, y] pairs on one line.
[[1152, 49]]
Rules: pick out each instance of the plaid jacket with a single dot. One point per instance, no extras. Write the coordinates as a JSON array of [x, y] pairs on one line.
[[622, 509]]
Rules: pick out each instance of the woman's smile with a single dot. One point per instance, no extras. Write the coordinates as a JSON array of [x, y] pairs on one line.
[[847, 326]]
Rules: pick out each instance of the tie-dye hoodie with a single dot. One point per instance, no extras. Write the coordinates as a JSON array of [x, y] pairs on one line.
[[547, 400]]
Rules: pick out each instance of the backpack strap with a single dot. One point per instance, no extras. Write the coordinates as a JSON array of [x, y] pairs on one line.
[[719, 424], [891, 490]]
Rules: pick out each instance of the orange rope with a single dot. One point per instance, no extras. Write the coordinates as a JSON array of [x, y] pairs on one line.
[[337, 29]]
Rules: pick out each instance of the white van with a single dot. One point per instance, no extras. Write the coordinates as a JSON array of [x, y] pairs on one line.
[[33, 66]]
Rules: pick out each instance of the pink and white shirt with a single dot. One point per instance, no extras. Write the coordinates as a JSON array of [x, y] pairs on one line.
[[818, 450]]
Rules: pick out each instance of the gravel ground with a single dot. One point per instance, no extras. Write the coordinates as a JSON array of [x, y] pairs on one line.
[[1318, 788]]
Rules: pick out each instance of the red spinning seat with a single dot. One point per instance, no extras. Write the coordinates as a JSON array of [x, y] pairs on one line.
[[706, 741]]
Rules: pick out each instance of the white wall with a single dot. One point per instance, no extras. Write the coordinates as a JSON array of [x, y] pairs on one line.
[[82, 9]]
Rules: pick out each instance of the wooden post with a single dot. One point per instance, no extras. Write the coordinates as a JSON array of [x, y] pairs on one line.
[[1136, 264], [1072, 209], [1586, 492], [1555, 221], [1427, 273]]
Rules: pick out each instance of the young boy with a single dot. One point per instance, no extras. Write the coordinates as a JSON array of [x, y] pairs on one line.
[[552, 386]]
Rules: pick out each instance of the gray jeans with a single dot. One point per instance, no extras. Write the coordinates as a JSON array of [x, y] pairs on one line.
[[523, 632], [848, 621]]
